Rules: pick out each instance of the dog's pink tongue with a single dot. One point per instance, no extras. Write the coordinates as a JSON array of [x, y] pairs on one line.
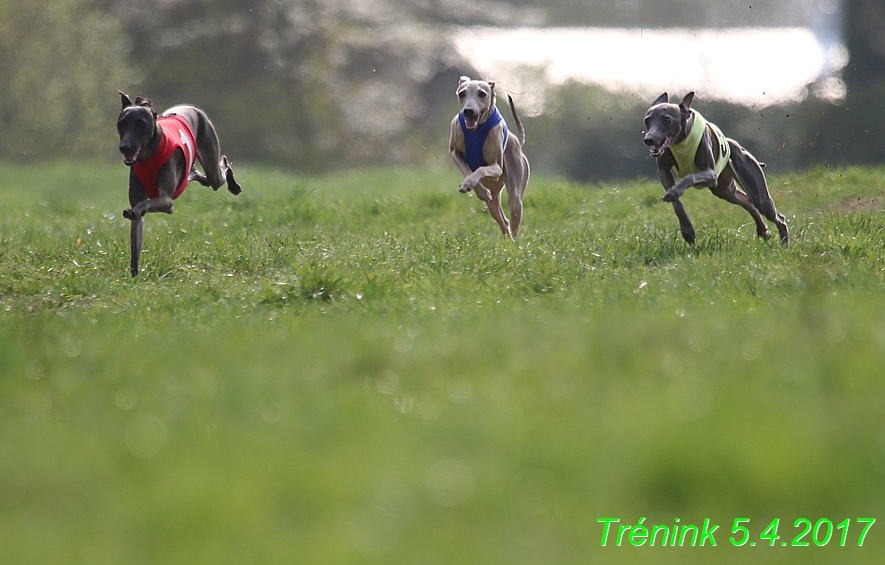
[[471, 122]]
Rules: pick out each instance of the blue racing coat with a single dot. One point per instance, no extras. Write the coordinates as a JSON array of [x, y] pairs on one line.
[[475, 140]]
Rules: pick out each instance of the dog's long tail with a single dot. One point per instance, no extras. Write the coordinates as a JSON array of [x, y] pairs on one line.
[[519, 126]]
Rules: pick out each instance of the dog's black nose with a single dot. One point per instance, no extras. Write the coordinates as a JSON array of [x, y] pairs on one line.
[[469, 112], [648, 141]]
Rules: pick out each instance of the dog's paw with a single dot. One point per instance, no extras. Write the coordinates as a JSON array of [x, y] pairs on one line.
[[197, 176], [482, 193], [129, 214], [232, 185], [671, 196]]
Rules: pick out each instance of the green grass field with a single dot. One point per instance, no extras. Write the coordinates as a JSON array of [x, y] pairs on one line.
[[357, 368]]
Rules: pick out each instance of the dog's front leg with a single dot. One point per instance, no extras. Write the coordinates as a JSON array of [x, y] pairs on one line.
[[462, 166], [162, 203], [473, 181], [136, 238], [136, 229], [686, 228], [135, 215], [706, 178], [137, 199]]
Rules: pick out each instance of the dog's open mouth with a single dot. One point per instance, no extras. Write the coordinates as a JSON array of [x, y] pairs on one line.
[[658, 149], [471, 121], [130, 158]]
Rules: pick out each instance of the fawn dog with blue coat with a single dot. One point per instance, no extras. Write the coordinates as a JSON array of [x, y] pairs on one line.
[[488, 154]]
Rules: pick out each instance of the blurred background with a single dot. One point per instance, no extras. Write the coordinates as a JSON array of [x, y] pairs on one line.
[[317, 85]]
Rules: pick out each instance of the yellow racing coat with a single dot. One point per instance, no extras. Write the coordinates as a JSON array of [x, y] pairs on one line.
[[685, 151]]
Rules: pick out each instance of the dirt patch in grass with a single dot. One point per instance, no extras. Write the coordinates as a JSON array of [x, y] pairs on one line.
[[859, 204]]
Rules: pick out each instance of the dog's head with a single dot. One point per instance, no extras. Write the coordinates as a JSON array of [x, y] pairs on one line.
[[664, 122], [136, 125], [476, 99]]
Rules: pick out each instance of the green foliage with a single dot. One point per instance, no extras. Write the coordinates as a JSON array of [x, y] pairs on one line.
[[57, 79], [356, 368], [307, 85], [317, 86]]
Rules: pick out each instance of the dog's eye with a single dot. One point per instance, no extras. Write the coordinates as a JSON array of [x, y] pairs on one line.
[[482, 94], [666, 119], [462, 94]]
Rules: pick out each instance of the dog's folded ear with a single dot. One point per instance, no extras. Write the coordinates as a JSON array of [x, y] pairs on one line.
[[147, 103], [662, 99], [125, 99], [463, 79]]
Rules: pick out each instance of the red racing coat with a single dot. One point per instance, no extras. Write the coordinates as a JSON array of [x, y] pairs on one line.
[[177, 133]]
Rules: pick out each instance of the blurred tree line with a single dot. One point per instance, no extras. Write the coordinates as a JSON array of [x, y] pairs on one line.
[[319, 84], [60, 60], [309, 83], [852, 132]]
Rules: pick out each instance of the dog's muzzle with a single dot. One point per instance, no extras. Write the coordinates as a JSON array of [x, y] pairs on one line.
[[129, 156], [656, 149], [471, 119]]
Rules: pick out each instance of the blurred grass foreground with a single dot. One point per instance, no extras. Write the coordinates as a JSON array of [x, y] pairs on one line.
[[356, 368]]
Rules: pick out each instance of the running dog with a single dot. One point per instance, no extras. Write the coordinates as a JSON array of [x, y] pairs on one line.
[[686, 144], [488, 154], [161, 152]]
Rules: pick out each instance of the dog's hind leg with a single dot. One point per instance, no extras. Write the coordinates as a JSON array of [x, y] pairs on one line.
[[748, 173], [232, 185], [728, 191], [492, 198], [515, 204], [516, 182], [497, 212], [215, 165], [195, 175]]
